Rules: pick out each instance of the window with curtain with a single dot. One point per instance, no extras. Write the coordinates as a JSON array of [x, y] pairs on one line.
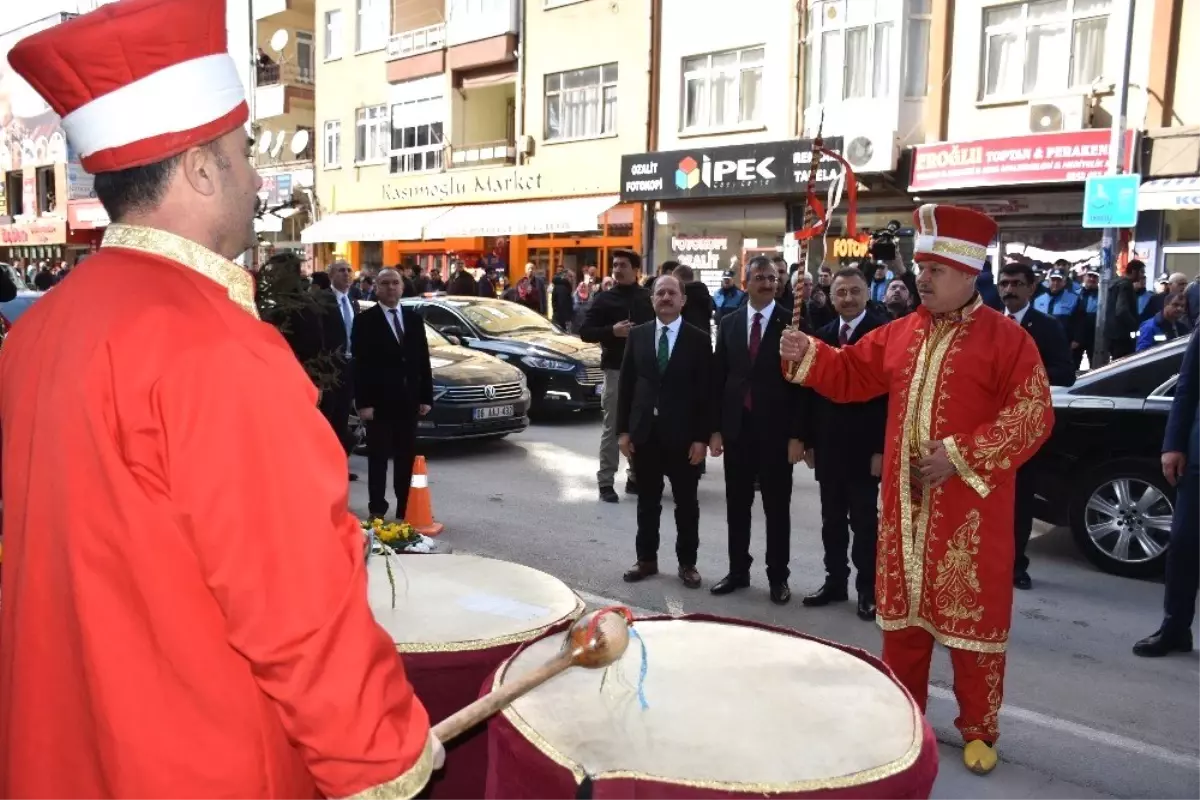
[[581, 103], [867, 71], [916, 56], [333, 34], [372, 25], [722, 90], [331, 150], [1039, 47], [417, 140], [831, 63], [370, 134]]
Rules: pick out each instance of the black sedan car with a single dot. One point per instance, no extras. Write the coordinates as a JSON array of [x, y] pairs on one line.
[[563, 372], [1100, 472], [475, 396]]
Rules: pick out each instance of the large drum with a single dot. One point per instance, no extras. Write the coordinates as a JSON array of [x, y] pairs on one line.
[[457, 618], [734, 709]]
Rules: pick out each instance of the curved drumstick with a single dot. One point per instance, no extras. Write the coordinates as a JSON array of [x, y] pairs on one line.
[[595, 641]]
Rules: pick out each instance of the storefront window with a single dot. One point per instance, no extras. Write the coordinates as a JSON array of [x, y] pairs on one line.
[[1181, 226], [371, 256], [714, 239]]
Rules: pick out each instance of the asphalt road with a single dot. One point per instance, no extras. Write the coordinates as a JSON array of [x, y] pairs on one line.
[[1083, 717]]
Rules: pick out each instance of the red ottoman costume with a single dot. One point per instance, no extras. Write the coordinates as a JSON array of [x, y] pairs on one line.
[[973, 381], [185, 603]]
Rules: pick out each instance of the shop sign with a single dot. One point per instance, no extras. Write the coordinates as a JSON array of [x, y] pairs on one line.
[[86, 215], [1064, 157], [762, 169], [81, 185], [709, 256], [850, 248], [276, 189], [46, 230], [494, 184]]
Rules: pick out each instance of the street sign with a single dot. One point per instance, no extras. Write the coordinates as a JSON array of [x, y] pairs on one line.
[[1110, 201]]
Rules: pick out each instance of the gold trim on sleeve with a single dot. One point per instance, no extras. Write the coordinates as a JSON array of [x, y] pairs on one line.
[[238, 283], [969, 476], [798, 372], [405, 786]]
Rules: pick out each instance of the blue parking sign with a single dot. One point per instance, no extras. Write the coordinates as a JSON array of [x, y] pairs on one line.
[[1110, 201]]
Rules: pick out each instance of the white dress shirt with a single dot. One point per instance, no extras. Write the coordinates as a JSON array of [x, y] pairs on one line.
[[766, 317], [672, 334], [346, 312], [854, 323], [1019, 316]]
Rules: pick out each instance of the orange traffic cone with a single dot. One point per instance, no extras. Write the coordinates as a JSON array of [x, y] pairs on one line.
[[420, 505]]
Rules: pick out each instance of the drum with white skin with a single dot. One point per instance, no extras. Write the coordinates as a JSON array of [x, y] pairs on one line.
[[456, 619], [733, 709]]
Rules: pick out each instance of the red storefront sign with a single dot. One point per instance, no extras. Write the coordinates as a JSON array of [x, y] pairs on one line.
[[42, 231], [86, 215], [1066, 157]]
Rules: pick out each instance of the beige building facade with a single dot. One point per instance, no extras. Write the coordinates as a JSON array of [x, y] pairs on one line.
[[487, 131]]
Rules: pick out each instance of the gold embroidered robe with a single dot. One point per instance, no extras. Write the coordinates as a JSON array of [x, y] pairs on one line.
[[185, 596], [974, 381]]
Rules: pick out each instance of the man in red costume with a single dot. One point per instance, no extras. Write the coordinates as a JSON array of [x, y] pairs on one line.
[[968, 403], [185, 604]]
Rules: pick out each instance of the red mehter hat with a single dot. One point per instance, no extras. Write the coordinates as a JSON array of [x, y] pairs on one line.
[[137, 81], [954, 236]]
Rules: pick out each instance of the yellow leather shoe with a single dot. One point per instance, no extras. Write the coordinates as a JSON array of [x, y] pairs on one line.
[[979, 757]]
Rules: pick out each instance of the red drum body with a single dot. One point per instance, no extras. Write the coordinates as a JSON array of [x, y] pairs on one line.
[[457, 618], [735, 709]]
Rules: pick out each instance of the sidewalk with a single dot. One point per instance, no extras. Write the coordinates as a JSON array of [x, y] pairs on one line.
[[954, 782]]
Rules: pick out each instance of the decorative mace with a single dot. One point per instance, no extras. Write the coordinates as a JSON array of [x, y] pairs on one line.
[[816, 218]]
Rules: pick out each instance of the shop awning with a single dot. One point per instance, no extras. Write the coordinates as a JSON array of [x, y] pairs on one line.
[[400, 224], [1169, 194], [530, 217]]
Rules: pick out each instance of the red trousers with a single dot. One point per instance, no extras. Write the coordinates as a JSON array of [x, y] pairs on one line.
[[978, 679]]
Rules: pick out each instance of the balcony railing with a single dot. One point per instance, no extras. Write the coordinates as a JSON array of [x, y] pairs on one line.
[[286, 156], [475, 20], [287, 74], [475, 155], [417, 41]]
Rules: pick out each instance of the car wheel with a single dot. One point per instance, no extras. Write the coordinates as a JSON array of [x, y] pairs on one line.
[[1121, 517]]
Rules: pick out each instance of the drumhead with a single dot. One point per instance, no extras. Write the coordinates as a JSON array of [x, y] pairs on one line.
[[462, 602], [731, 708]]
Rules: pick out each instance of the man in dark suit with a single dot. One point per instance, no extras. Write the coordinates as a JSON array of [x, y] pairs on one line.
[[845, 443], [1017, 284], [757, 419], [393, 385], [663, 426], [1181, 468], [336, 403]]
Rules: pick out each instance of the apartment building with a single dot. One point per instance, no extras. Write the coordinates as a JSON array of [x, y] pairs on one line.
[[489, 131], [283, 110]]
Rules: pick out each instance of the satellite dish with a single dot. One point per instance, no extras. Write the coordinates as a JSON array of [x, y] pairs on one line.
[[299, 142], [279, 40], [278, 148], [264, 142]]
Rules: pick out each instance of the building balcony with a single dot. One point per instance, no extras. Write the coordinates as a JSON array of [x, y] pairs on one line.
[[476, 20], [284, 74], [483, 154], [417, 41]]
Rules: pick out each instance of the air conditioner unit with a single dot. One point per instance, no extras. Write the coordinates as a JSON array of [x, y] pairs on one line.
[[871, 152], [525, 145], [1069, 113]]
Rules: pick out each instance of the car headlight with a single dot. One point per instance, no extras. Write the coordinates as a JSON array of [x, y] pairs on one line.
[[547, 363]]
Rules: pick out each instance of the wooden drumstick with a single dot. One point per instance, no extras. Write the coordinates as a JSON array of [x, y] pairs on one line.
[[595, 641]]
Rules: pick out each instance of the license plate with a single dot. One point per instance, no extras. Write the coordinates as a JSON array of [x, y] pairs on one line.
[[494, 412], [600, 388]]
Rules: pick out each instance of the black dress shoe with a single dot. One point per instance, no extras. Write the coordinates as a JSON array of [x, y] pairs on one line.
[[353, 477], [1021, 581], [780, 594], [609, 495], [1162, 643], [640, 571], [730, 583], [866, 608], [630, 487], [825, 595]]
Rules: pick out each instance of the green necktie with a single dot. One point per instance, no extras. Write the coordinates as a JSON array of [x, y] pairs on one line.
[[664, 351]]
